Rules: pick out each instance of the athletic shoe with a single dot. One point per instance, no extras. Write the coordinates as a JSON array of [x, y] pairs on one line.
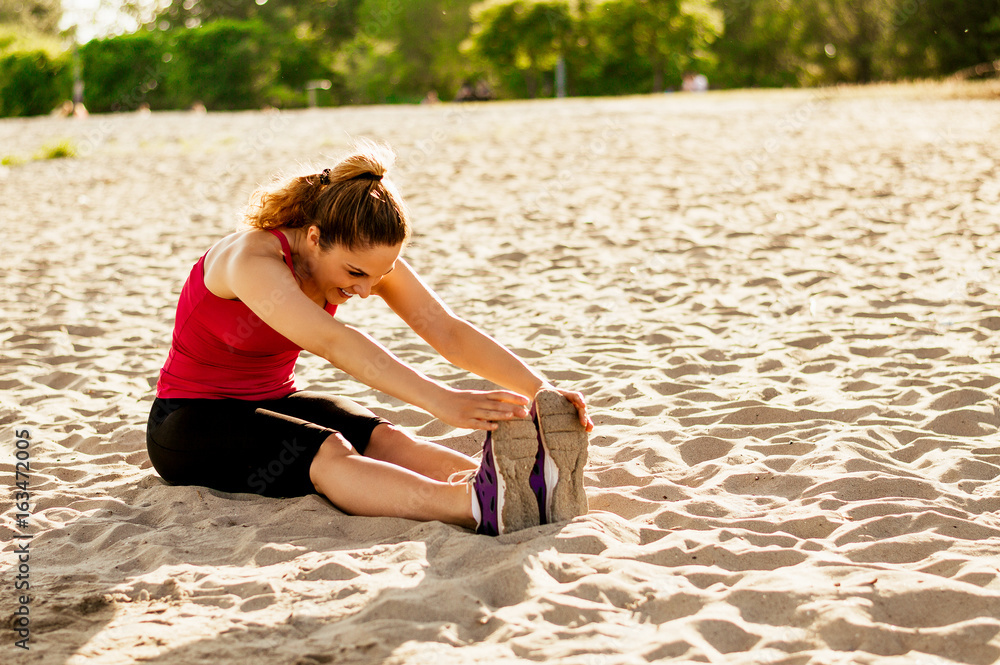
[[561, 457], [506, 500], [536, 480]]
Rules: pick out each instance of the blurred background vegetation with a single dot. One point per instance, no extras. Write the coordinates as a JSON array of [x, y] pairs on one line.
[[242, 54]]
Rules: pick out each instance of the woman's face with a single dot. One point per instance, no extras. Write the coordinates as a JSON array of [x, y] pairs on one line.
[[340, 273]]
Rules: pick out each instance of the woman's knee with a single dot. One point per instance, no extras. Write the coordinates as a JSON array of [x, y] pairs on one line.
[[335, 447], [385, 438]]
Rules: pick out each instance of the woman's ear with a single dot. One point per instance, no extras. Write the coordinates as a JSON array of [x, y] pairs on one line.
[[312, 236]]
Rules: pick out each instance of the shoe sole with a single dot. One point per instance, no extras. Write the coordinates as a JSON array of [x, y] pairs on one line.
[[515, 445], [565, 441]]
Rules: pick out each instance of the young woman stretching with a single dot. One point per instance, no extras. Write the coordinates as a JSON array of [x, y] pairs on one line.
[[227, 414]]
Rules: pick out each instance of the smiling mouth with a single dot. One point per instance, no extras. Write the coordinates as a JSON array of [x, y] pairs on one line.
[[344, 293]]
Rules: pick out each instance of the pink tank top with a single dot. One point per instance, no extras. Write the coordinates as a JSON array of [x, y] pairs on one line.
[[221, 349]]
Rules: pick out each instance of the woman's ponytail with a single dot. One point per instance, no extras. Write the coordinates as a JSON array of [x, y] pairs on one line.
[[352, 203]]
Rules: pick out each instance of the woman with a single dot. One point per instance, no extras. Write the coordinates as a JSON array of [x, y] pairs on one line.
[[227, 414]]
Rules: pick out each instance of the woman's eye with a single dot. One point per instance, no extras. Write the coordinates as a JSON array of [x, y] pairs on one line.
[[356, 274]]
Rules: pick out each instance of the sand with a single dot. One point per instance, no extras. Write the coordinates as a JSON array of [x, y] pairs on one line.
[[783, 308]]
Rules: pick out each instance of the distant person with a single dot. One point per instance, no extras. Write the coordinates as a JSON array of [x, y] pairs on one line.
[[430, 98], [466, 93], [480, 92], [69, 109], [483, 92], [227, 414], [694, 82], [64, 110]]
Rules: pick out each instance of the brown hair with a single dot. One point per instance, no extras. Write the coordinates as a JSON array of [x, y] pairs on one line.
[[352, 203]]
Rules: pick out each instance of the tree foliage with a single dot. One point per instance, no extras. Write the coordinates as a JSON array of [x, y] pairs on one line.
[[760, 44], [613, 46], [936, 37], [403, 49], [224, 64], [32, 82], [124, 72], [41, 16], [233, 54], [330, 22], [522, 40]]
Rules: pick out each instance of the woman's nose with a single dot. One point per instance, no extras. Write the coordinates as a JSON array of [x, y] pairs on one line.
[[363, 288]]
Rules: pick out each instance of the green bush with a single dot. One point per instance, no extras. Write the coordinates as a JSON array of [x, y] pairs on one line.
[[122, 73], [16, 37], [33, 82], [57, 150], [298, 63], [224, 64]]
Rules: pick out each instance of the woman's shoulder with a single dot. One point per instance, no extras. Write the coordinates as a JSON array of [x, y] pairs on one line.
[[243, 247], [246, 244]]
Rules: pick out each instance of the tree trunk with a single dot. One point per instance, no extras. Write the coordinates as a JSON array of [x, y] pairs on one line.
[[531, 83]]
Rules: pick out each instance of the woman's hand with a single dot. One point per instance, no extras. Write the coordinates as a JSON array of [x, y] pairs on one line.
[[480, 409], [576, 399]]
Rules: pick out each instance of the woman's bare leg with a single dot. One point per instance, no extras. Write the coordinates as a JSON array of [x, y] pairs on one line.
[[391, 444], [361, 485]]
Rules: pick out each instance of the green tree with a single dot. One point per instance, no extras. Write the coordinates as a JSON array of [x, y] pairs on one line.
[[40, 16], [405, 48], [523, 40], [330, 23], [32, 82], [673, 35], [122, 73], [15, 38], [810, 42], [936, 37], [760, 44], [631, 46], [35, 74], [845, 40], [604, 59], [224, 64], [304, 36]]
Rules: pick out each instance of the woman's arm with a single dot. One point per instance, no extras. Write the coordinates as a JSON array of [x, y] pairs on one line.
[[461, 343], [264, 283]]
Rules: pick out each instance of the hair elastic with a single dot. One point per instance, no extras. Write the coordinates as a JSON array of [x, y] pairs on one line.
[[324, 178]]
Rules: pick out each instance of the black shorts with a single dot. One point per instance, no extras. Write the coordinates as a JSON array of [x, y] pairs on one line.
[[262, 447]]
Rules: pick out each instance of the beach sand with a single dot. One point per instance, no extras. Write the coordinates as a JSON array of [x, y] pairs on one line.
[[782, 306]]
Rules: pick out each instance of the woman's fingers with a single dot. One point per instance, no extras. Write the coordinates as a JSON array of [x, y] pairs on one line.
[[576, 399], [508, 397], [484, 409], [504, 405], [479, 409]]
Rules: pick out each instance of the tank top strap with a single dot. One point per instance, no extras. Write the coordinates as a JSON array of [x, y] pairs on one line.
[[285, 248]]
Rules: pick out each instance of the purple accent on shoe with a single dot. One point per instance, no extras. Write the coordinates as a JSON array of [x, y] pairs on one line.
[[484, 484], [537, 478]]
